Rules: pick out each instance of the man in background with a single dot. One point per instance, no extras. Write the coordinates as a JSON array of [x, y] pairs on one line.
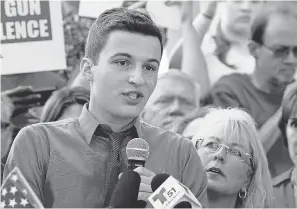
[[274, 47], [175, 96]]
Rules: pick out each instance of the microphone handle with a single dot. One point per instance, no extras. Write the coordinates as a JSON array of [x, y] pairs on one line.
[[132, 164]]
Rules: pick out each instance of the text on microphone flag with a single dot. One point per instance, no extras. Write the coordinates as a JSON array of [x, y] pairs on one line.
[[17, 193], [170, 193], [167, 195]]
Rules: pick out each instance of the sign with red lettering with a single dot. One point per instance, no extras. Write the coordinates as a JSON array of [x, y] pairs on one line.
[[31, 35], [35, 27]]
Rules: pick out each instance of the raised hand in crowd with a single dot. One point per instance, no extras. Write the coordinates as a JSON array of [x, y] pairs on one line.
[[17, 101], [187, 54], [13, 103]]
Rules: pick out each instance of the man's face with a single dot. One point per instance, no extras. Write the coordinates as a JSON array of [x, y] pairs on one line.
[[277, 69], [126, 74], [172, 98]]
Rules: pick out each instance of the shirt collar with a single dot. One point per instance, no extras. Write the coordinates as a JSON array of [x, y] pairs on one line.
[[283, 177], [89, 124]]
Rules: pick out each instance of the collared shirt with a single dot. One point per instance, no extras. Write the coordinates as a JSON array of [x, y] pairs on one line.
[[284, 193], [65, 162]]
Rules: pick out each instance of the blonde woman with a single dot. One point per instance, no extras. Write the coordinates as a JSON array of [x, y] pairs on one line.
[[217, 43], [234, 160], [285, 184]]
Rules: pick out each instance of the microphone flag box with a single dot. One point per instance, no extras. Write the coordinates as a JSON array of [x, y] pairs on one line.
[[170, 193]]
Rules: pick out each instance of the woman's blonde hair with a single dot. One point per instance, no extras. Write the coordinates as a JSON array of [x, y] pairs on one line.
[[235, 123]]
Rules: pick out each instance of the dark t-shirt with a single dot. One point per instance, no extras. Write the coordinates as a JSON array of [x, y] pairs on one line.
[[237, 90]]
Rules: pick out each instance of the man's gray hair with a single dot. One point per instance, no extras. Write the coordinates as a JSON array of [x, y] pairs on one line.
[[177, 74]]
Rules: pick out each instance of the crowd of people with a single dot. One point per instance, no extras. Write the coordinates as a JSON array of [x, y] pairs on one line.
[[222, 119]]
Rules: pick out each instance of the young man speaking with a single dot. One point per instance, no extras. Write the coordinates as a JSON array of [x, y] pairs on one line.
[[69, 163]]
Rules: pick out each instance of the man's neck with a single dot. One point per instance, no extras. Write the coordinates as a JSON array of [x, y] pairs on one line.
[[261, 83], [103, 117], [217, 200]]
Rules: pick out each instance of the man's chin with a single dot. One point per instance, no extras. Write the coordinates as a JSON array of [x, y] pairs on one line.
[[280, 85], [130, 111]]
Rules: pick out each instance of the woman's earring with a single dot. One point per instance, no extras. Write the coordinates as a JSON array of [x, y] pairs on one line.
[[242, 194]]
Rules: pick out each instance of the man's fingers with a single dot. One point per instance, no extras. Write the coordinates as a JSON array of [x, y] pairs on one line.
[[142, 171], [19, 108], [146, 180], [145, 188], [19, 91], [34, 98], [144, 196]]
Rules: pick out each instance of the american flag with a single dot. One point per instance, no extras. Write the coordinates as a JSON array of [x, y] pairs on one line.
[[17, 193]]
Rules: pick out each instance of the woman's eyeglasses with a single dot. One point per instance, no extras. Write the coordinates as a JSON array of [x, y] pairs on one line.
[[215, 147]]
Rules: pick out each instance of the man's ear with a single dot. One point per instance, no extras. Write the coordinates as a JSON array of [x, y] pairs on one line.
[[254, 49], [86, 68]]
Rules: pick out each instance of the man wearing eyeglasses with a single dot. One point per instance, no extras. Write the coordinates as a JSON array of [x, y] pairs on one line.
[[274, 47]]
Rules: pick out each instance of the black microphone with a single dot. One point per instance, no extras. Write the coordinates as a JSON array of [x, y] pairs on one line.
[[158, 180], [137, 151], [184, 204], [125, 194]]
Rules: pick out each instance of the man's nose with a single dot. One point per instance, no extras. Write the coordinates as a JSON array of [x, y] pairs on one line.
[[175, 108], [136, 76], [246, 6]]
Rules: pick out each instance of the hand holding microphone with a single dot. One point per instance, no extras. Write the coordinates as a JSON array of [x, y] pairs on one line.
[[137, 153], [145, 189], [134, 187], [126, 192]]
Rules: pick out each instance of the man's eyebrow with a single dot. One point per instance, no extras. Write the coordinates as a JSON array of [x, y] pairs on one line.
[[154, 60], [162, 97], [130, 56], [121, 54]]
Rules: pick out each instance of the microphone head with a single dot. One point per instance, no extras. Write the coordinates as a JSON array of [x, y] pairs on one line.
[[125, 194], [137, 149], [158, 180], [184, 204]]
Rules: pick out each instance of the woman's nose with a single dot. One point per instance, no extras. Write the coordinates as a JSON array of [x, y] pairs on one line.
[[220, 155]]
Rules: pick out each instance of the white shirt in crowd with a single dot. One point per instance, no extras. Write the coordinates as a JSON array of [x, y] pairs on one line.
[[238, 56]]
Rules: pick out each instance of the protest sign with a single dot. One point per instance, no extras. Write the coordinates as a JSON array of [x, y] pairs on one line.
[[32, 37]]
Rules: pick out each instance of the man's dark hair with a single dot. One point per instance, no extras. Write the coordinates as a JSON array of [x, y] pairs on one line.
[[289, 109], [262, 20], [118, 19]]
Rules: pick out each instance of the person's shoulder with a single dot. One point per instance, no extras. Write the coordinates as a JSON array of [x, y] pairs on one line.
[[55, 127], [282, 178], [55, 124], [161, 136], [233, 79], [154, 130]]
